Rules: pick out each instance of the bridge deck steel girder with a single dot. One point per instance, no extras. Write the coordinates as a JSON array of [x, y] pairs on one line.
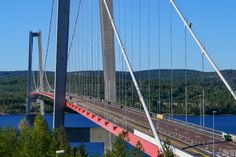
[[148, 147]]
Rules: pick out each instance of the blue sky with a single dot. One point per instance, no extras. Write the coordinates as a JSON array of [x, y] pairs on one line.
[[213, 21]]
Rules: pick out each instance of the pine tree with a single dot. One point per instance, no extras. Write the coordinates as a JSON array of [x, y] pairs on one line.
[[40, 137], [8, 142], [58, 141], [118, 147], [24, 141]]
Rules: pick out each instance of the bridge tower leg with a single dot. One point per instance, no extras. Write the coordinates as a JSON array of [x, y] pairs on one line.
[[108, 51], [41, 72], [29, 74], [61, 62]]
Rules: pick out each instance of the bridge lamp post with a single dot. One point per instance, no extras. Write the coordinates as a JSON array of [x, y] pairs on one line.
[[200, 108], [213, 149], [60, 152], [158, 107], [169, 105]]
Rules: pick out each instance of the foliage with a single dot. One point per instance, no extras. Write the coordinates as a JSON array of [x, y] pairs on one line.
[[40, 137], [13, 90], [167, 151], [119, 148], [35, 141], [24, 141], [8, 138], [82, 151]]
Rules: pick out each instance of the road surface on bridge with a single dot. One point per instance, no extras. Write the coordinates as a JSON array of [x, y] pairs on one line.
[[195, 141]]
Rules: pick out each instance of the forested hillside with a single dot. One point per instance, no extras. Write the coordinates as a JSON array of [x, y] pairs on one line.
[[13, 90]]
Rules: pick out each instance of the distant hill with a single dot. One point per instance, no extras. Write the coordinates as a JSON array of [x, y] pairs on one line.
[[13, 89], [12, 74], [178, 74]]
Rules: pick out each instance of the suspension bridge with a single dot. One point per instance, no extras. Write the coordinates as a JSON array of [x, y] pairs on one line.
[[95, 77]]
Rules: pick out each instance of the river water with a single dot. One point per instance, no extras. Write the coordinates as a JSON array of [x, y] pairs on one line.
[[226, 123]]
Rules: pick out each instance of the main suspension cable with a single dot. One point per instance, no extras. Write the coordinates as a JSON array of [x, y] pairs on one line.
[[119, 60], [99, 50], [48, 43], [157, 139], [171, 60], [34, 81], [92, 89], [149, 74], [203, 50], [86, 54], [185, 75], [125, 78], [203, 91], [75, 27], [140, 59], [132, 49], [159, 55]]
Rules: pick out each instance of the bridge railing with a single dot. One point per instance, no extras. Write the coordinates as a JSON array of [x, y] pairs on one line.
[[195, 126], [174, 120], [121, 123], [103, 114]]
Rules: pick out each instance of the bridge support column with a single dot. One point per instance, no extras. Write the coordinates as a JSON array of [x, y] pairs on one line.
[[108, 52], [95, 134], [29, 74], [101, 135], [41, 105], [41, 72], [61, 62]]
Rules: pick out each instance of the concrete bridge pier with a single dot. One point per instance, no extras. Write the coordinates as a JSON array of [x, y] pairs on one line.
[[101, 135], [95, 134], [41, 105]]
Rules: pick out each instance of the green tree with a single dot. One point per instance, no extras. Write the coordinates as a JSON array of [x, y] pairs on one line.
[[8, 142], [36, 141], [118, 147], [82, 151], [24, 141], [58, 141], [40, 137], [167, 151]]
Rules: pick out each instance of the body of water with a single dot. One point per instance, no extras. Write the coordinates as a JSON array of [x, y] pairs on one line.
[[226, 123], [71, 120]]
